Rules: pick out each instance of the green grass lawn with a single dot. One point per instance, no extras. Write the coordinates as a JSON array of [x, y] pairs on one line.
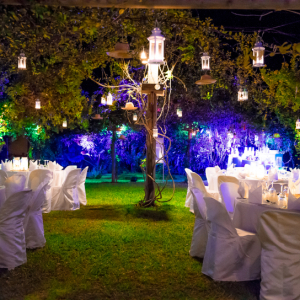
[[112, 250]]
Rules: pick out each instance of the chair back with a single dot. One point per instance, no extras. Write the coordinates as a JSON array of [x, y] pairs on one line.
[[232, 179], [277, 233], [13, 210], [82, 176], [14, 184], [229, 192], [221, 224], [198, 183], [68, 169], [189, 177], [199, 204], [209, 172], [280, 256], [3, 177], [71, 179], [38, 176]]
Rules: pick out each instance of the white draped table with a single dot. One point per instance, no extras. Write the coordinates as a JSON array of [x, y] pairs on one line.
[[246, 215]]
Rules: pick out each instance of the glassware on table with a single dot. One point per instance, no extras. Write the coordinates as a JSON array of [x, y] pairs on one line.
[[265, 192], [283, 197], [273, 199]]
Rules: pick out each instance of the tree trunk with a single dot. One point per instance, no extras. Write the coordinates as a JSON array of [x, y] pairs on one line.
[[113, 156], [151, 116]]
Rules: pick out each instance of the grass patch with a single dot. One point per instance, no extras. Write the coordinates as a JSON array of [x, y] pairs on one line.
[[111, 249]]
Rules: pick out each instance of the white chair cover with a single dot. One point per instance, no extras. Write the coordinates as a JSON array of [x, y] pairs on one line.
[[12, 238], [229, 192], [201, 226], [280, 256], [33, 222], [38, 176], [81, 186], [197, 182], [231, 254], [68, 169], [33, 165], [66, 196], [3, 177], [14, 184], [189, 196]]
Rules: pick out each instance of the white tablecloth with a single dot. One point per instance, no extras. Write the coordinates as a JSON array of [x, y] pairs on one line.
[[246, 215]]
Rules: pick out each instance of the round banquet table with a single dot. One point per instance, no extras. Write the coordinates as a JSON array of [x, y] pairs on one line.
[[246, 215], [2, 195]]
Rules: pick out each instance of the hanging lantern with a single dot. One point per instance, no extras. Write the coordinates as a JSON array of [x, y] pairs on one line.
[[37, 104], [65, 123], [242, 94], [109, 99], [258, 53], [103, 100], [156, 47], [155, 132], [205, 61], [134, 118], [156, 54], [179, 112], [193, 133], [298, 124], [22, 61], [144, 57]]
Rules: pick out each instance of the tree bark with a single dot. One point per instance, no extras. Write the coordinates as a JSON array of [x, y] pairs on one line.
[[113, 156], [151, 116]]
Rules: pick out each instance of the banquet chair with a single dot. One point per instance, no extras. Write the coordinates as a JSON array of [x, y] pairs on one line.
[[68, 169], [66, 196], [201, 226], [12, 238], [38, 176], [3, 177], [228, 189], [33, 222], [189, 196], [14, 184], [81, 186], [209, 172], [280, 256], [231, 254]]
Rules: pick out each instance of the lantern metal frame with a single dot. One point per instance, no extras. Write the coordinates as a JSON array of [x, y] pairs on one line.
[[242, 94], [37, 104], [156, 47], [258, 54], [205, 61], [22, 61]]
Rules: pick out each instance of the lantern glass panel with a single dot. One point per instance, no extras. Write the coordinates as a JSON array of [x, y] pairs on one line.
[[298, 124], [134, 117], [205, 61], [65, 123], [22, 61], [109, 99], [155, 132], [38, 104], [258, 53], [103, 100], [242, 95], [179, 112]]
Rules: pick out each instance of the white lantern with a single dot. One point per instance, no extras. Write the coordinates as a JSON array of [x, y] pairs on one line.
[[205, 61], [156, 47], [22, 61], [103, 100], [298, 124], [258, 53], [65, 123], [242, 95], [193, 133], [179, 112], [155, 132], [134, 118], [144, 57], [109, 99], [37, 104]]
